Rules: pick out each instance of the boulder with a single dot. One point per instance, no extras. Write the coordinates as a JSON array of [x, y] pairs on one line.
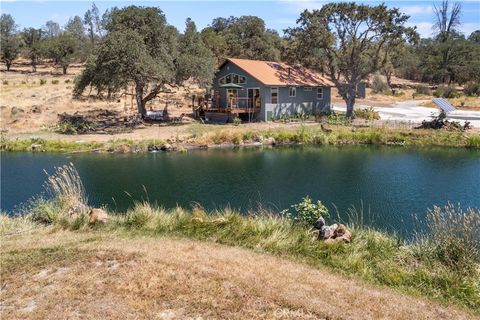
[[326, 232], [319, 223], [346, 237], [97, 216]]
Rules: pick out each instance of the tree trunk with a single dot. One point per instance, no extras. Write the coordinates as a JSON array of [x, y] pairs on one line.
[[64, 68], [350, 99], [9, 64], [139, 98]]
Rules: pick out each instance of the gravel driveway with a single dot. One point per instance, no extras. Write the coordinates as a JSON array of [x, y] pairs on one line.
[[410, 111]]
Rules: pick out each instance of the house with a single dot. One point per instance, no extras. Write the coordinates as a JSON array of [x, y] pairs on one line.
[[265, 90]]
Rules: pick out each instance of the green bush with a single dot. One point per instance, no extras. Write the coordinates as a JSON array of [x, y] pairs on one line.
[[68, 81], [55, 81], [237, 121], [446, 92], [306, 212], [378, 84], [472, 88], [335, 118], [43, 81], [367, 114]]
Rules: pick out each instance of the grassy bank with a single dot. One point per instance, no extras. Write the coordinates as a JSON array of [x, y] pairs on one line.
[[208, 136], [443, 265]]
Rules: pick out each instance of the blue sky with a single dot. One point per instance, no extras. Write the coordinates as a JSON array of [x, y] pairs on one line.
[[278, 15]]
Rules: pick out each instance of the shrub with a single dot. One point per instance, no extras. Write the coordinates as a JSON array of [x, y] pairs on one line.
[[68, 81], [454, 237], [367, 114], [307, 212], [473, 142], [472, 88], [422, 89], [446, 92], [378, 84], [24, 82], [5, 82], [237, 121], [55, 81], [42, 82], [338, 119]]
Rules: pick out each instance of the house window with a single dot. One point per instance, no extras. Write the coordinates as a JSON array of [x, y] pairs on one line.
[[307, 88], [274, 93], [228, 78], [292, 92], [242, 80], [222, 81], [235, 78], [319, 93]]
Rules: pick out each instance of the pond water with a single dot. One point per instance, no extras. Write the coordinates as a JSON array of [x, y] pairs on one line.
[[392, 183]]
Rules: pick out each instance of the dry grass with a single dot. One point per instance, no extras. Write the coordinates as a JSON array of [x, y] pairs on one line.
[[95, 275], [462, 103]]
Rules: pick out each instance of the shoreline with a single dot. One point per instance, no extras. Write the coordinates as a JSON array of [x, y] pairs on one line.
[[238, 137]]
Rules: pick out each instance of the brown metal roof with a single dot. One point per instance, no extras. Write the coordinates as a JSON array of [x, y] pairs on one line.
[[281, 74]]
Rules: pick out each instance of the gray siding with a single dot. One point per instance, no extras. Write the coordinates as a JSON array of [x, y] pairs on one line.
[[242, 93], [305, 102]]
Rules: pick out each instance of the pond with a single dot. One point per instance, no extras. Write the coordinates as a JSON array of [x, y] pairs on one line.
[[392, 183]]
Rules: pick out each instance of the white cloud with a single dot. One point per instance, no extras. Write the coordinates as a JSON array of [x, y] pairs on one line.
[[417, 9], [423, 28]]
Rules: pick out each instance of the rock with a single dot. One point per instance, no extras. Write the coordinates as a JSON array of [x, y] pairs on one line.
[[340, 231], [327, 231], [16, 110], [166, 147], [36, 146], [36, 109], [319, 223], [346, 237], [269, 141], [97, 216]]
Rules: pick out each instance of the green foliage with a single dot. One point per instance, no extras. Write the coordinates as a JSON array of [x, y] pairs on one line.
[[379, 85], [9, 39], [367, 114], [237, 121], [32, 45], [344, 35], [63, 49], [43, 81], [472, 88], [55, 81], [336, 118], [474, 141], [306, 212], [446, 92]]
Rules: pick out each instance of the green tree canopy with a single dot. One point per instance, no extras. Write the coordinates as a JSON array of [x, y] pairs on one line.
[[32, 45], [10, 41], [142, 50], [355, 41]]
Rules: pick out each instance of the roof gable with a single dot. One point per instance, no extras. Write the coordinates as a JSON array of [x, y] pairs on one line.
[[281, 74]]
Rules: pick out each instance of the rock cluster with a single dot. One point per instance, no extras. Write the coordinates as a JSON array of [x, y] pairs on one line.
[[333, 233], [97, 216]]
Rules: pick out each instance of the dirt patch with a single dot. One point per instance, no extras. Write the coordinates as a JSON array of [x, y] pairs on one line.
[[112, 277]]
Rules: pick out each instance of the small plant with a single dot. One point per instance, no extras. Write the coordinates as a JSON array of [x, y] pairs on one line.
[[5, 82], [24, 82], [237, 121], [446, 92], [335, 118], [55, 81], [43, 81], [367, 114], [68, 81], [462, 103], [306, 212]]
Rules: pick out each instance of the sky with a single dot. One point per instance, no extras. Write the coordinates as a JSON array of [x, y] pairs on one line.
[[277, 15]]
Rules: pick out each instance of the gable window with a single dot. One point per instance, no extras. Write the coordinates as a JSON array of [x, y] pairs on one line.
[[319, 93], [232, 78], [307, 88], [274, 93], [292, 92]]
